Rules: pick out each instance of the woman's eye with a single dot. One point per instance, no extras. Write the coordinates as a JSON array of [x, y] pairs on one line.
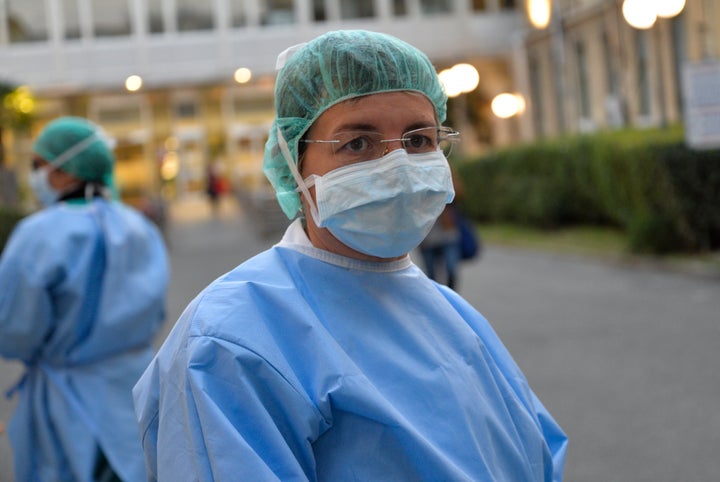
[[358, 144], [418, 141]]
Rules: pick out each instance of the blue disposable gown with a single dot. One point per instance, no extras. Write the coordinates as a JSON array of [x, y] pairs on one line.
[[303, 365], [82, 295]]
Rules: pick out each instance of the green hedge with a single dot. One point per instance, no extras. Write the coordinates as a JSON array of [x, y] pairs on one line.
[[663, 195], [9, 217]]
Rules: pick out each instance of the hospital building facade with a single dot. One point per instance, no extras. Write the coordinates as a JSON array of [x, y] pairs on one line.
[[186, 85]]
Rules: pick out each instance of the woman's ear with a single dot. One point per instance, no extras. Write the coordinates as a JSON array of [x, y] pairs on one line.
[[61, 180]]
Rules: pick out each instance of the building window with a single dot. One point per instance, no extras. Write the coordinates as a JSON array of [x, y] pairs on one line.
[[319, 10], [127, 115], [193, 15], [277, 12], [71, 19], [186, 109], [249, 105], [614, 102], [26, 20], [508, 4], [111, 18], [679, 46], [479, 5], [643, 77], [435, 6], [238, 16], [583, 80], [156, 24], [536, 97], [611, 84], [400, 8], [356, 9]]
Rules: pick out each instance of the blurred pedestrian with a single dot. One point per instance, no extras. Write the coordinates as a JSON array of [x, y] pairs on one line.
[[451, 241], [213, 188], [440, 249], [82, 295], [331, 356]]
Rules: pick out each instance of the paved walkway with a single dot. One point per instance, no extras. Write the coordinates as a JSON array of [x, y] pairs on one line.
[[625, 357]]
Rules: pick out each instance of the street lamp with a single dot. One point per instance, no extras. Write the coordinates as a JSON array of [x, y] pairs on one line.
[[242, 75], [459, 79], [133, 83], [539, 12], [669, 8], [642, 14], [507, 105]]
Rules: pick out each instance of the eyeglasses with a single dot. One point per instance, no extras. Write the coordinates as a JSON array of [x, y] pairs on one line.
[[357, 146]]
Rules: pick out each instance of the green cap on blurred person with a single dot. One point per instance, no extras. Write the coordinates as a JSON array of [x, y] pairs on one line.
[[78, 147], [334, 67]]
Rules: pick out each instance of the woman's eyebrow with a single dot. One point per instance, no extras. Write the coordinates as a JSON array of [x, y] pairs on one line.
[[362, 126], [356, 126], [419, 125]]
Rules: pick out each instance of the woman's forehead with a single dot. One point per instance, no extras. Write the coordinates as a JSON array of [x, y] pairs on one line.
[[375, 111]]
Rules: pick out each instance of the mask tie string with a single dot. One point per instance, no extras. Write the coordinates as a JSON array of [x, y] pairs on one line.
[[74, 150], [282, 143]]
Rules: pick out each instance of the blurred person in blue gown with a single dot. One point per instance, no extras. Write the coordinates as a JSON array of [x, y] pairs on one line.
[[332, 356], [82, 296]]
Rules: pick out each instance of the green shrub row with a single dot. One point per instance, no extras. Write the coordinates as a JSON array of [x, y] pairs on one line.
[[665, 196]]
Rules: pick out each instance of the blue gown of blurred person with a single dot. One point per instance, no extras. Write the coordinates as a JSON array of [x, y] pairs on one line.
[[82, 295]]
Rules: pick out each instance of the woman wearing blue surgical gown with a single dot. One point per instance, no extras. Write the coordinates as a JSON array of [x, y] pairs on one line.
[[332, 356], [82, 295]]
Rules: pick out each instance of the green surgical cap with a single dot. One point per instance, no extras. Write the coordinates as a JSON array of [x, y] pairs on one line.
[[78, 147], [332, 68]]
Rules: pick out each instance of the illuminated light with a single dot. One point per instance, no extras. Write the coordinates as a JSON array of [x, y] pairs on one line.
[[459, 79], [538, 12], [669, 8], [469, 77], [640, 14], [242, 75], [506, 105], [133, 83], [449, 83], [20, 100], [26, 105], [170, 166]]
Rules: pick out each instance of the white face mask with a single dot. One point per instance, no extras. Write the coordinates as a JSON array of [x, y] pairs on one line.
[[384, 207], [40, 184]]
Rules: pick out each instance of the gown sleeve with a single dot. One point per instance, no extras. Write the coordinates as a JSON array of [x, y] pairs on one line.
[[26, 274], [216, 410]]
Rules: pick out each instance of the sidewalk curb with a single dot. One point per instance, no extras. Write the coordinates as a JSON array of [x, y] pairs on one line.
[[696, 268]]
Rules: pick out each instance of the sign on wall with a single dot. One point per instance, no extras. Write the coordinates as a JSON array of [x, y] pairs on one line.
[[702, 104]]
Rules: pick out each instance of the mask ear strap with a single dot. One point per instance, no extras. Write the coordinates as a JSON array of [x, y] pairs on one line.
[[298, 179]]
